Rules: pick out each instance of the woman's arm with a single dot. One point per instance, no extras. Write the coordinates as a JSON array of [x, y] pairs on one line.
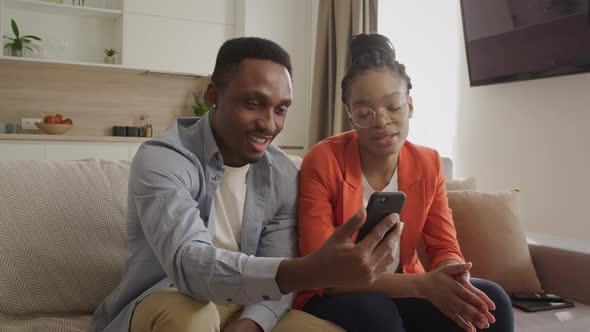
[[439, 234], [394, 285]]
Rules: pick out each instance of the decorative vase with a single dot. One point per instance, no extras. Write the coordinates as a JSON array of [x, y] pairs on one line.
[[16, 52], [110, 60]]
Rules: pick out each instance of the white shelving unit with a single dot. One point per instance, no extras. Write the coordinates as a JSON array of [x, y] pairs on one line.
[[69, 33], [44, 7], [169, 38], [176, 36]]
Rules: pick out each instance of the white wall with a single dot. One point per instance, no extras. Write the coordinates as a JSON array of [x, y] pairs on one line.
[[288, 23], [528, 135], [425, 35], [533, 136]]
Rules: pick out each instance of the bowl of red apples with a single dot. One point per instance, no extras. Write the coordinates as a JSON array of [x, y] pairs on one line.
[[55, 125]]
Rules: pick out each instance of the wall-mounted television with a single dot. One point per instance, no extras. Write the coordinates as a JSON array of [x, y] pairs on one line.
[[513, 40]]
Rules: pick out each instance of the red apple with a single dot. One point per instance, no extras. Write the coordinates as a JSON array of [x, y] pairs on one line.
[[67, 121], [51, 119]]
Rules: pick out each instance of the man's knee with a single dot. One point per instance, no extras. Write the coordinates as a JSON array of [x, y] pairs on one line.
[[296, 320], [169, 310]]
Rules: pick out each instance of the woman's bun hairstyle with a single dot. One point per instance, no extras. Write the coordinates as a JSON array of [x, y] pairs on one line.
[[370, 51], [374, 43]]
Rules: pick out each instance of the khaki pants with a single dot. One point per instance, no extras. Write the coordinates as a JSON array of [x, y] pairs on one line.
[[169, 310]]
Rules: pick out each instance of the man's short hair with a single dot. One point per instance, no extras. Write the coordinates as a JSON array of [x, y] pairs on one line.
[[234, 51]]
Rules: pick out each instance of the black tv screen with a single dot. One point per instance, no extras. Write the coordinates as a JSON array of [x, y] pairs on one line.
[[513, 40]]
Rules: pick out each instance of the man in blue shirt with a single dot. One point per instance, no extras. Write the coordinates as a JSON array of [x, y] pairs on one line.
[[212, 214]]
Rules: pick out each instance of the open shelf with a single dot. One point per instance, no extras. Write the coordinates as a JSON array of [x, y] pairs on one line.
[[42, 60], [62, 9], [142, 71]]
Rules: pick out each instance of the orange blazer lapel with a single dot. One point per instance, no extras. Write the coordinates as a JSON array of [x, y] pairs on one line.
[[411, 182], [352, 191]]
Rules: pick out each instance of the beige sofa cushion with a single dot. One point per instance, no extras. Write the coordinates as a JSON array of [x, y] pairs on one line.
[[468, 183], [62, 234], [64, 323], [491, 236]]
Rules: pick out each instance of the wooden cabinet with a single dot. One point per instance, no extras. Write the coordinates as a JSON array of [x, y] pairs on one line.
[[217, 11], [169, 44], [85, 150], [65, 150], [10, 150]]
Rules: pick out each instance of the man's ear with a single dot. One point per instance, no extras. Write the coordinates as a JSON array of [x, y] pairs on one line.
[[212, 94], [410, 106]]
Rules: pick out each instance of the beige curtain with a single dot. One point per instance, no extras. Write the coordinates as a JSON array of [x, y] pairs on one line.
[[338, 21]]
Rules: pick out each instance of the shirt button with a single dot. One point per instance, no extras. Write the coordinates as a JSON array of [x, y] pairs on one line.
[[266, 297]]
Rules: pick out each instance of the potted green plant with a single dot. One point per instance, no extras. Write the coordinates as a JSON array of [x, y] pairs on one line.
[[110, 55], [19, 43], [201, 106]]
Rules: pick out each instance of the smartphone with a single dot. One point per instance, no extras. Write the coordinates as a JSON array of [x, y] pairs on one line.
[[537, 297], [380, 205]]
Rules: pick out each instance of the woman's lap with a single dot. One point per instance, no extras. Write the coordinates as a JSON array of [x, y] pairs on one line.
[[376, 312]]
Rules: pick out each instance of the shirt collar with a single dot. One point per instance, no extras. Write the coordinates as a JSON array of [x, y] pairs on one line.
[[210, 147]]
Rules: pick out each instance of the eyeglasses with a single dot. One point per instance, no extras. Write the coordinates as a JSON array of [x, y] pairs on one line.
[[365, 117]]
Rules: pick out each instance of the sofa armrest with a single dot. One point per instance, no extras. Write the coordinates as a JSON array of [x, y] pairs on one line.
[[562, 269]]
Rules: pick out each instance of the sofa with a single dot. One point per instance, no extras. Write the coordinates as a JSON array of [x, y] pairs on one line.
[[63, 243]]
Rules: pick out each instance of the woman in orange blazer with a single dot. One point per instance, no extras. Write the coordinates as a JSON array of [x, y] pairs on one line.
[[337, 177]]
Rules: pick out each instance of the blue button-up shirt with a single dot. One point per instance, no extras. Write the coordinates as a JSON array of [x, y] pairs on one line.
[[171, 185]]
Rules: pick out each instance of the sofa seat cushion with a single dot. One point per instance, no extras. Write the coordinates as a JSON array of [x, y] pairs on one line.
[[62, 234], [576, 319], [46, 323]]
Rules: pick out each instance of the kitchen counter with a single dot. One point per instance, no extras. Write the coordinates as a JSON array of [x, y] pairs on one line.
[[71, 138]]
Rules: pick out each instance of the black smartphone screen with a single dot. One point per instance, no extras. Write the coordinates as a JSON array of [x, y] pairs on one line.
[[380, 205]]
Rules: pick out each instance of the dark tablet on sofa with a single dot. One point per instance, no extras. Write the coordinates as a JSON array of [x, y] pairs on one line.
[[534, 306]]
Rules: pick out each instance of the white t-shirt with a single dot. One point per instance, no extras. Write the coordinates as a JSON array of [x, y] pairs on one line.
[[367, 192], [227, 209]]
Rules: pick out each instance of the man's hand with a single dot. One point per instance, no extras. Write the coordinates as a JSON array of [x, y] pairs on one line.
[[340, 262], [345, 264], [243, 325], [455, 300]]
